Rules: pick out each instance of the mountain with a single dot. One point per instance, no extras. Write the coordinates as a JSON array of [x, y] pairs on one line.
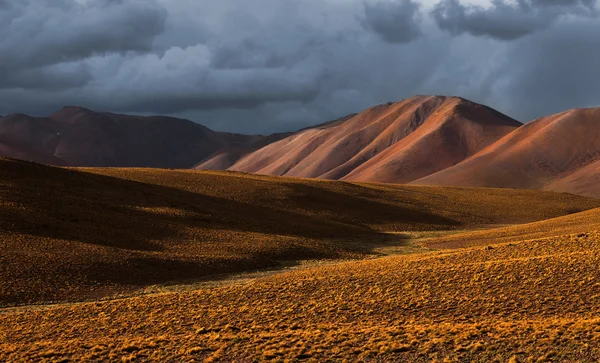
[[29, 138], [395, 142], [225, 158], [105, 139], [428, 140], [559, 152], [19, 150], [81, 137]]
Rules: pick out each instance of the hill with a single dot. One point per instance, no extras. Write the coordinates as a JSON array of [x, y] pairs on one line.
[[578, 223], [81, 137], [559, 152], [527, 301], [395, 142], [70, 234]]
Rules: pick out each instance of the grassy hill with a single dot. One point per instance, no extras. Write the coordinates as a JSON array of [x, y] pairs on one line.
[[554, 227], [70, 234], [524, 292], [534, 301]]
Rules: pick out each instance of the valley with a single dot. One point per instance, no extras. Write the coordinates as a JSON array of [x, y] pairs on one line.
[[151, 264]]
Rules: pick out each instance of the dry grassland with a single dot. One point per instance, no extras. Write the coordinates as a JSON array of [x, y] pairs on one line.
[[85, 234], [535, 301], [570, 224], [526, 293]]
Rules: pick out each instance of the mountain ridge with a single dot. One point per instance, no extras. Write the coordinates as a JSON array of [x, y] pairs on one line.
[[430, 140], [337, 152]]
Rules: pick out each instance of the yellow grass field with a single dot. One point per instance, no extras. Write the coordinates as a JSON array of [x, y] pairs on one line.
[[509, 275], [529, 301]]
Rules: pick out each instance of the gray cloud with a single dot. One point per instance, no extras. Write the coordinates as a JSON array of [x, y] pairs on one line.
[[395, 22], [54, 77], [504, 20], [272, 65], [557, 70], [38, 35]]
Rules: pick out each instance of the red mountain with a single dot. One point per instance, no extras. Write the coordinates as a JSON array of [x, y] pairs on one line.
[[81, 137], [432, 140], [559, 152], [396, 142]]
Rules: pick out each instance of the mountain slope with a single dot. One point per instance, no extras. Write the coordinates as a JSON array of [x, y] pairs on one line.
[[394, 142], [558, 152], [104, 139], [18, 150], [81, 137], [29, 138], [225, 158], [456, 130]]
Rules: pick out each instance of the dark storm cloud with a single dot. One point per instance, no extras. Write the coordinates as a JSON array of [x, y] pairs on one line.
[[557, 70], [55, 77], [272, 65], [504, 20], [43, 42], [40, 32], [395, 22]]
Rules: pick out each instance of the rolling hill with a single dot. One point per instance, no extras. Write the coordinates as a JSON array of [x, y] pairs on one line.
[[511, 275], [525, 301], [85, 233], [559, 152]]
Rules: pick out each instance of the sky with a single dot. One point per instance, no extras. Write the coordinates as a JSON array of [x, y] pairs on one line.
[[263, 66]]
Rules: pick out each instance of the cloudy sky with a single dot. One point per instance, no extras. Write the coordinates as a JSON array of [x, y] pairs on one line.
[[263, 66]]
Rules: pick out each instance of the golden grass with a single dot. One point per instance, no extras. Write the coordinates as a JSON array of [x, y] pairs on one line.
[[72, 234], [68, 234], [535, 301], [525, 293], [570, 224]]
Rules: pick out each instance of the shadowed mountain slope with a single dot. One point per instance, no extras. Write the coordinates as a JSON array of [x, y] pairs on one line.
[[105, 139], [17, 150], [29, 138], [81, 137]]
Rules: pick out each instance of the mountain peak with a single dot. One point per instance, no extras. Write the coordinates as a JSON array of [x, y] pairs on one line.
[[392, 142]]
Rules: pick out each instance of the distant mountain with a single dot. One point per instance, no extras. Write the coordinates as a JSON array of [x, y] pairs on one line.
[[19, 150], [559, 152], [81, 137], [429, 140], [395, 142]]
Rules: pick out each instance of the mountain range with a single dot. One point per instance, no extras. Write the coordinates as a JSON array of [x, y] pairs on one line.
[[425, 140]]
